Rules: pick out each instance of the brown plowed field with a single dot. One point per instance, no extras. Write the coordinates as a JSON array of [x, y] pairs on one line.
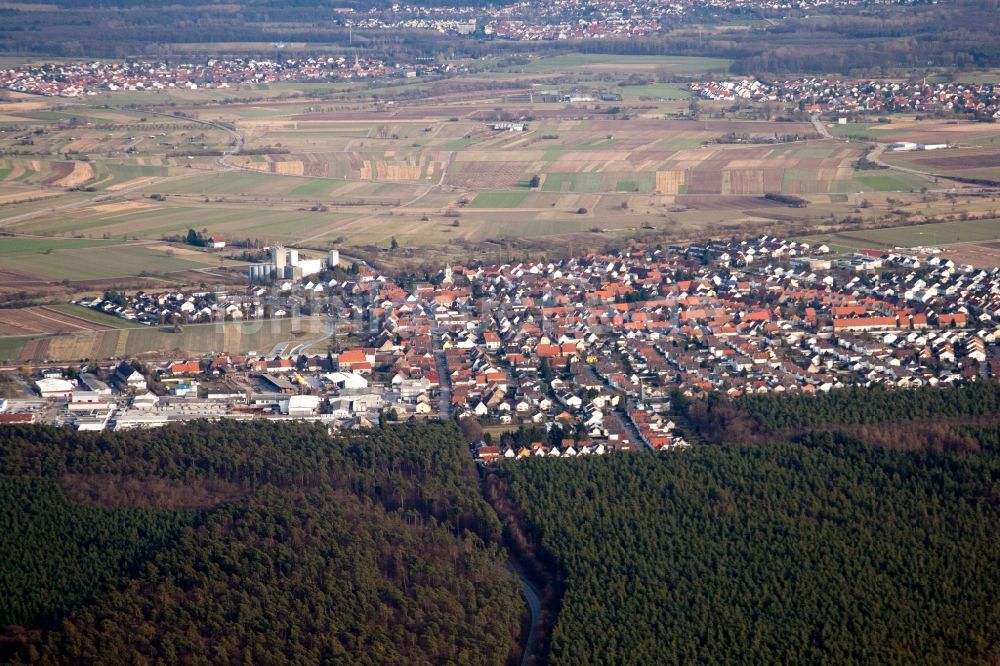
[[34, 349], [704, 181], [288, 168], [743, 181], [488, 175], [773, 179], [58, 171], [958, 162], [36, 320], [9, 278], [669, 182]]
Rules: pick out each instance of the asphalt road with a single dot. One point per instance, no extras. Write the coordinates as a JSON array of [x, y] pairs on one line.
[[875, 156], [534, 600], [444, 400]]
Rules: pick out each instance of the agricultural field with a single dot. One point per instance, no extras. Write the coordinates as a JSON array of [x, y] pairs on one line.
[[86, 259], [98, 319], [654, 91], [974, 162], [975, 242], [15, 246], [498, 199], [926, 131], [232, 337], [50, 319], [444, 167], [678, 64]]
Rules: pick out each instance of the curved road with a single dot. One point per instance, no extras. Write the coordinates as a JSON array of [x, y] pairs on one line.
[[534, 600], [528, 589], [875, 156]]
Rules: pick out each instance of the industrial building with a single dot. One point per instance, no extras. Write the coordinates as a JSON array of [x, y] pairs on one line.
[[51, 387], [286, 263]]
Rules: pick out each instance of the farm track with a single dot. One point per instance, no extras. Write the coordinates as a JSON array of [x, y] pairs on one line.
[[103, 197], [110, 196], [380, 213], [875, 157]]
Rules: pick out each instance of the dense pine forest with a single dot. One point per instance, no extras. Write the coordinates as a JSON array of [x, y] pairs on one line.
[[825, 550], [854, 527], [857, 526], [862, 405], [917, 419], [95, 548], [256, 543]]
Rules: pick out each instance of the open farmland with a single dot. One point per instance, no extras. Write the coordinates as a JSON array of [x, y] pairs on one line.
[[444, 167], [975, 242], [84, 259], [981, 162], [53, 319], [680, 64], [927, 131], [498, 200], [93, 316], [233, 337], [271, 220]]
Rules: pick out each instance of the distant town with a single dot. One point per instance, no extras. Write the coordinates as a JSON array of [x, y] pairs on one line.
[[88, 79], [814, 95], [597, 345], [561, 20], [811, 95]]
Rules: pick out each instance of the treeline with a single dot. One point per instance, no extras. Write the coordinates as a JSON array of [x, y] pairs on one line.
[[866, 405], [359, 548], [194, 152], [824, 551], [418, 467], [264, 150], [787, 199], [903, 419]]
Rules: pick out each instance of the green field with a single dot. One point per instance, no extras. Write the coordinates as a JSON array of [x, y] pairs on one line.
[[10, 348], [498, 199], [642, 182], [971, 231], [107, 175], [91, 263], [176, 216], [18, 245], [880, 181], [234, 337], [674, 63], [655, 91], [934, 234], [595, 143], [319, 187], [896, 182], [234, 182], [979, 77], [573, 182], [866, 130]]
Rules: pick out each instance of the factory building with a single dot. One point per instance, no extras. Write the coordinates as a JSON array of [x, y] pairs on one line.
[[285, 264]]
